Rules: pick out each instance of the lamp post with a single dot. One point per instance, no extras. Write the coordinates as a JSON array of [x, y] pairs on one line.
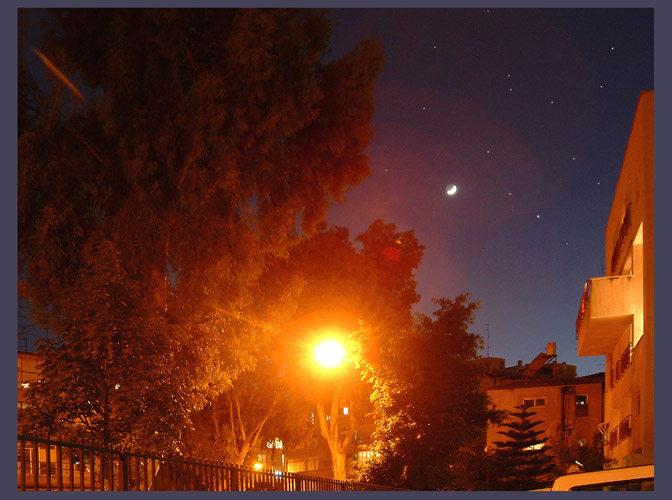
[[331, 354]]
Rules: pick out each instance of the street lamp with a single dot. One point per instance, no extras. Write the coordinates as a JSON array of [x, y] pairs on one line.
[[329, 353]]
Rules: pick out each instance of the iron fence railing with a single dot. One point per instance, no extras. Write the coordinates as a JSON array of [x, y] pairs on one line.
[[45, 463]]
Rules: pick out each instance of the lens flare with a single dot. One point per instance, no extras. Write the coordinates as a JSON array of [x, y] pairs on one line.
[[329, 353]]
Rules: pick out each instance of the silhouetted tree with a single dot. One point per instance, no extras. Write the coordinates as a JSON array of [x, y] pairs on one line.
[[522, 462], [429, 403]]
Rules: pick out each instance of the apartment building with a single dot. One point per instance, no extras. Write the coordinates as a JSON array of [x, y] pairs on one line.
[[616, 314], [314, 458], [569, 408]]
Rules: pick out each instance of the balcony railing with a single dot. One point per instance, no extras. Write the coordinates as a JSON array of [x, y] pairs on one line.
[[585, 303], [623, 362], [620, 242], [620, 433]]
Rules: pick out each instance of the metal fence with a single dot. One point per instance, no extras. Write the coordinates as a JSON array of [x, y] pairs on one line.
[[48, 464]]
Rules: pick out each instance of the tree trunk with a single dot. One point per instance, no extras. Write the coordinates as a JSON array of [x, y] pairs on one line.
[[330, 432]]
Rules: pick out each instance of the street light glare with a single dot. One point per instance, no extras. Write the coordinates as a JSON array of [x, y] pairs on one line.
[[329, 353]]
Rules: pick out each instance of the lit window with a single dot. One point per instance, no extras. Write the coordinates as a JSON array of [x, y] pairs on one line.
[[365, 456], [345, 410], [581, 400]]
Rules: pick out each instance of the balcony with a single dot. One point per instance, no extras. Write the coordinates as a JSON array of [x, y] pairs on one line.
[[607, 307]]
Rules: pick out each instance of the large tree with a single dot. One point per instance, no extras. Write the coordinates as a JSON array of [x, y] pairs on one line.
[[429, 404], [201, 144], [346, 287], [342, 285]]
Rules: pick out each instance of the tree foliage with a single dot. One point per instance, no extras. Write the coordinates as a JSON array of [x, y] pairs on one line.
[[429, 404], [106, 379], [584, 456], [523, 463], [206, 144], [341, 286], [259, 407]]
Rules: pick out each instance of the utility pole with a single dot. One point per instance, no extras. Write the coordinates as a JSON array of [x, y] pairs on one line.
[[487, 345]]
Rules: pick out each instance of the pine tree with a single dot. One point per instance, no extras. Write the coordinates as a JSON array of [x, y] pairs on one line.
[[522, 462]]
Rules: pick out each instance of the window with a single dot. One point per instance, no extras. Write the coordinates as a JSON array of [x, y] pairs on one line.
[[345, 410], [534, 402], [302, 464], [633, 485], [581, 402], [365, 456], [296, 465]]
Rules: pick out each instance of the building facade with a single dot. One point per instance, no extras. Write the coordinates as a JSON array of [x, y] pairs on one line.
[[616, 314], [569, 408], [314, 458], [28, 372]]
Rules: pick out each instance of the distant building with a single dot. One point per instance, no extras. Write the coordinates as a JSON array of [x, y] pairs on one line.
[[314, 457], [28, 373], [616, 315], [570, 408]]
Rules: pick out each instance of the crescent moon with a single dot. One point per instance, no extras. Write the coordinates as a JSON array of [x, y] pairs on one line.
[[451, 190]]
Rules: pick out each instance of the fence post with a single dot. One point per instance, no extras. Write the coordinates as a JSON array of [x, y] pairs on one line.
[[123, 470], [59, 464]]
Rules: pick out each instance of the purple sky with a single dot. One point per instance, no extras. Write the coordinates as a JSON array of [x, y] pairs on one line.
[[528, 112]]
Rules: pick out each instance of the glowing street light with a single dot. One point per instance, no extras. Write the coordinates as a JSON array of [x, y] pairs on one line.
[[329, 353]]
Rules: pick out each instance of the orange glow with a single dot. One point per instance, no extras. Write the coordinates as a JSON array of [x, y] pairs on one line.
[[329, 353]]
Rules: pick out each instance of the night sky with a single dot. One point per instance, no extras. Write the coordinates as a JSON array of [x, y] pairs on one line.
[[528, 112]]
